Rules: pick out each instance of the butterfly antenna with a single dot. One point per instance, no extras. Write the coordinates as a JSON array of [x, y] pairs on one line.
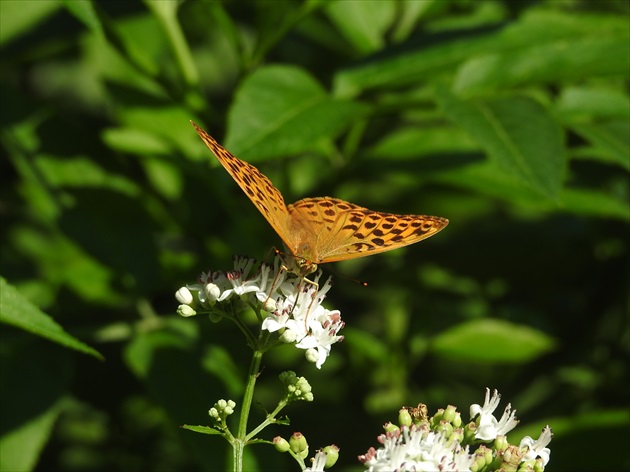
[[347, 277]]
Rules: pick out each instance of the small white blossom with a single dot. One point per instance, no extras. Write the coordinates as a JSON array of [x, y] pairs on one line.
[[319, 461], [538, 448], [488, 427]]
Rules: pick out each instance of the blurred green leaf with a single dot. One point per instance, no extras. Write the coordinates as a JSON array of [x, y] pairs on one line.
[[29, 411], [134, 141], [86, 13], [20, 312], [561, 59], [610, 142], [363, 23], [281, 110], [17, 18], [594, 203], [587, 104], [503, 342], [517, 133]]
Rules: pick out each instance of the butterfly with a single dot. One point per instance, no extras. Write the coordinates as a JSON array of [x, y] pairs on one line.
[[323, 229]]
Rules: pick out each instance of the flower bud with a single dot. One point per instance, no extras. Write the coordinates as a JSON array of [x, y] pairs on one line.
[[212, 292], [501, 443], [332, 454], [186, 311], [288, 336], [183, 296], [311, 355], [281, 444], [404, 417], [390, 427], [449, 413], [298, 443], [444, 427]]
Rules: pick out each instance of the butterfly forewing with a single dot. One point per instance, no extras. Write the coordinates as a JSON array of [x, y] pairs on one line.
[[256, 186]]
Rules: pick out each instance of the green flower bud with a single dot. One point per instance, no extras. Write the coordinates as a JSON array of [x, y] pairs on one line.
[[281, 444], [449, 413], [390, 427], [298, 443], [457, 421], [444, 427], [438, 416], [501, 443], [456, 435], [404, 417], [332, 454]]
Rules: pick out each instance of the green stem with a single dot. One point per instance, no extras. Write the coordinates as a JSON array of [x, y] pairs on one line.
[[241, 439]]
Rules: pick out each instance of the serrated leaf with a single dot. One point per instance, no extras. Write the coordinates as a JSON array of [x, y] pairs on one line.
[[517, 133], [21, 313]]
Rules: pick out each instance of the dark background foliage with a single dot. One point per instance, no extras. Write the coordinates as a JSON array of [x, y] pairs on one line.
[[509, 118]]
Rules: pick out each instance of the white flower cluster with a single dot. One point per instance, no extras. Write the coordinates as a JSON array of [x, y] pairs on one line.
[[442, 443], [416, 448], [294, 303]]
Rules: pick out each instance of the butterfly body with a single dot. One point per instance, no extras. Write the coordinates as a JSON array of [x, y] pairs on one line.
[[323, 229]]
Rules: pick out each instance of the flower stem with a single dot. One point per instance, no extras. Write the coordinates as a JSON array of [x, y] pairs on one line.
[[241, 439]]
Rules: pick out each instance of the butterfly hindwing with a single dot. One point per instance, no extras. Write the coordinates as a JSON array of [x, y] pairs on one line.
[[343, 230]]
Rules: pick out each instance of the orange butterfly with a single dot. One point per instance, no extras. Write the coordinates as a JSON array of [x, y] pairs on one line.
[[321, 230]]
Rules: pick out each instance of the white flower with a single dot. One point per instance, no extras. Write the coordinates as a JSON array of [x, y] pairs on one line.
[[417, 449], [488, 427], [538, 448], [319, 461], [322, 335]]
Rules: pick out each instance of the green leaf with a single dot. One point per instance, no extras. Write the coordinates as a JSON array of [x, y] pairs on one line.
[[201, 429], [555, 61], [36, 377], [135, 141], [17, 18], [585, 104], [610, 142], [594, 203], [364, 24], [492, 341], [517, 133], [86, 13], [20, 312], [281, 110]]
